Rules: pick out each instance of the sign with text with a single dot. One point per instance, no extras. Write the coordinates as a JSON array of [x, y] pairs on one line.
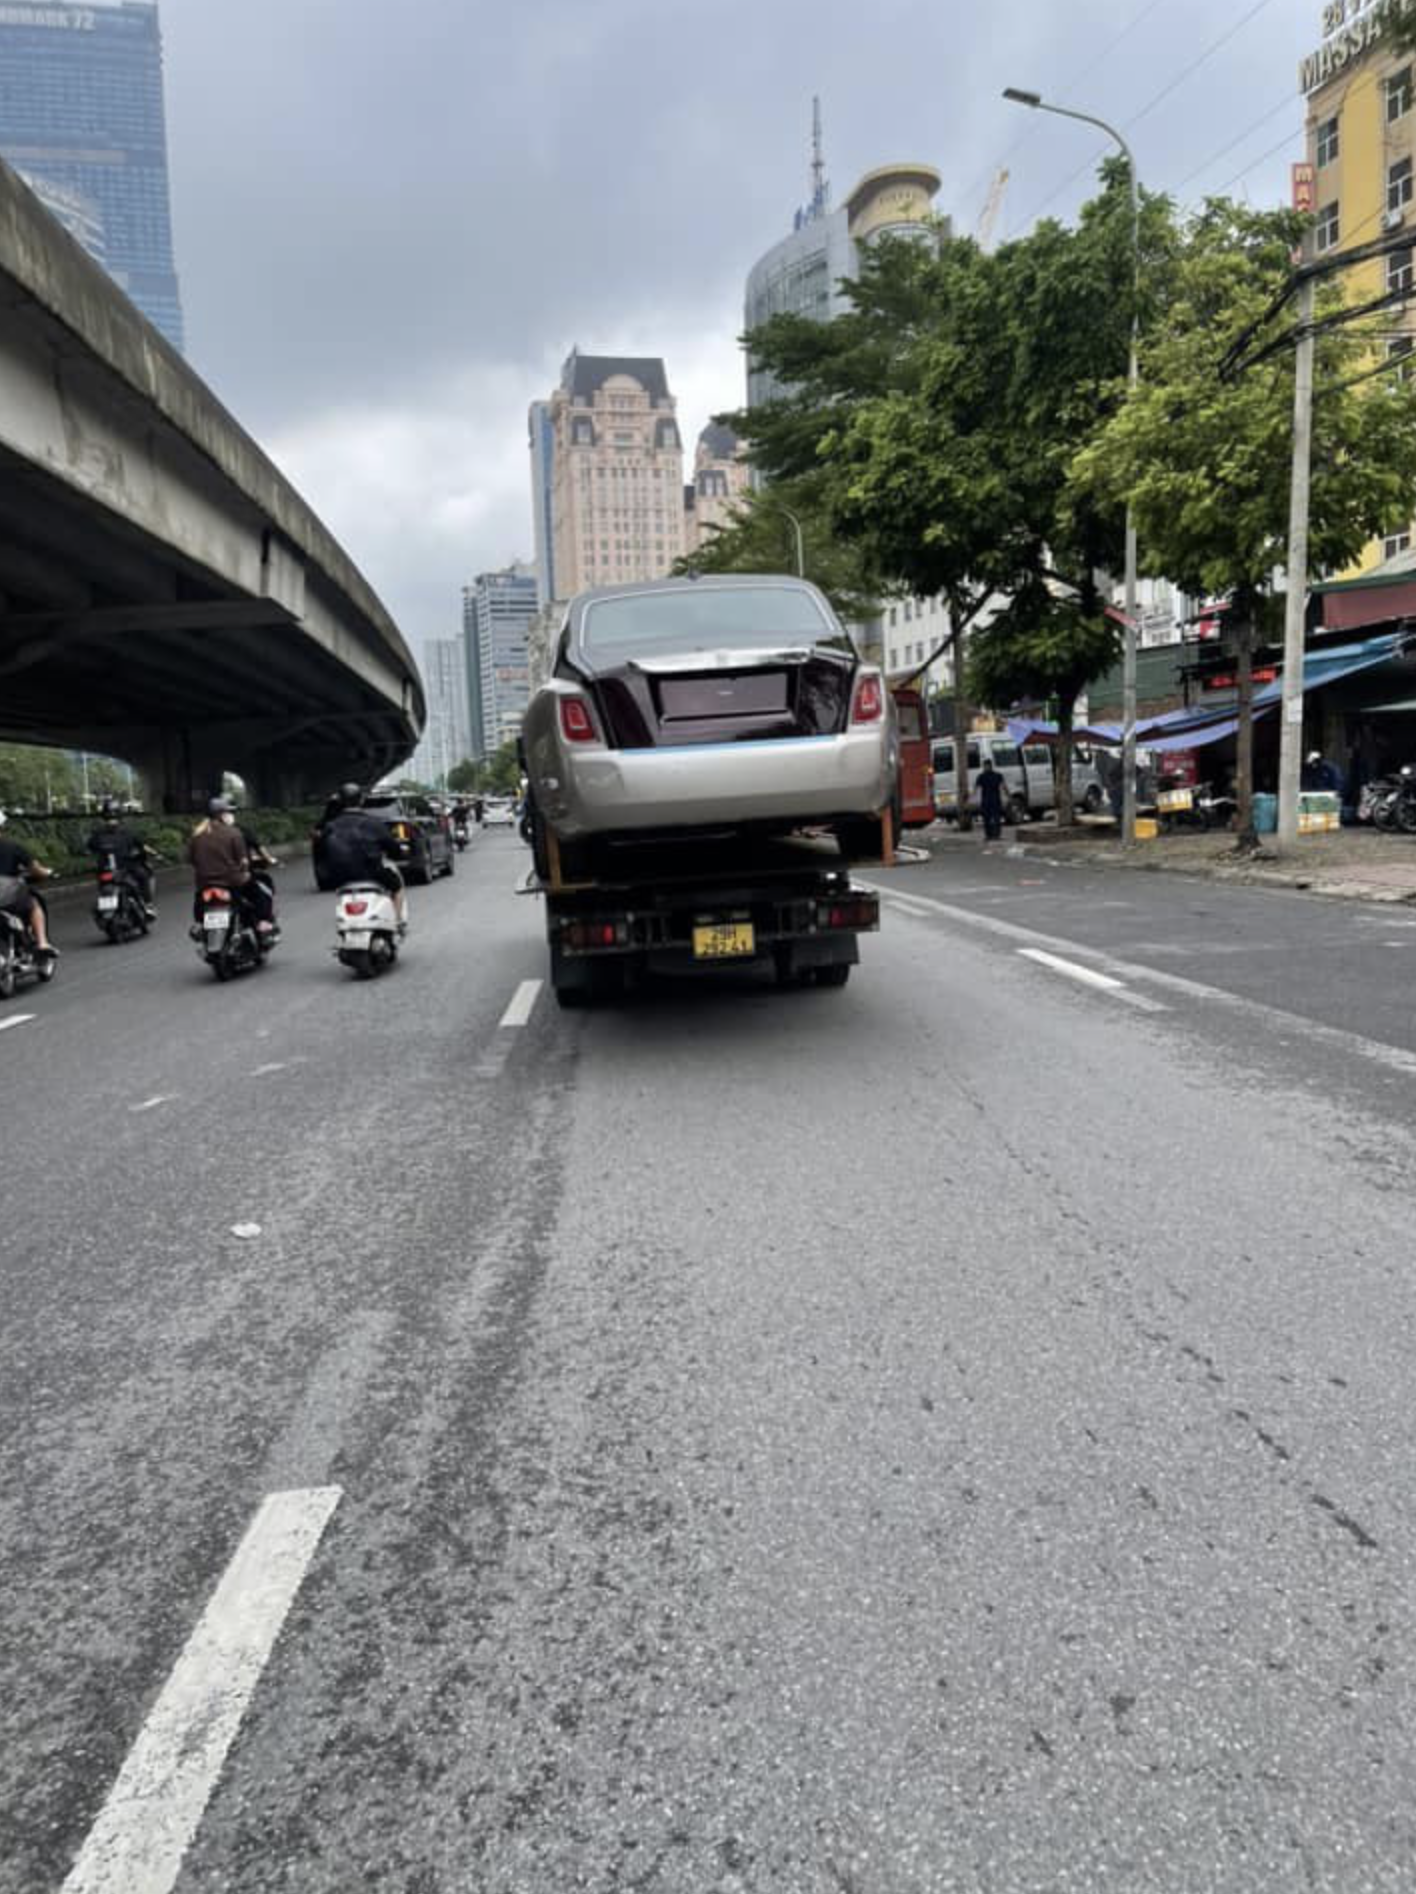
[[1350, 27], [1305, 188]]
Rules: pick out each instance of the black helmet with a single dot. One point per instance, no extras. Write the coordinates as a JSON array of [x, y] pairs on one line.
[[351, 795], [109, 806], [220, 805]]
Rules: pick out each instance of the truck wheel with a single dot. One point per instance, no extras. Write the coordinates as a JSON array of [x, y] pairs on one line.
[[836, 975]]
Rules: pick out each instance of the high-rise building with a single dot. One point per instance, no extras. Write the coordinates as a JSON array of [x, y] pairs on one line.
[[802, 274], [542, 442], [447, 740], [615, 464], [1362, 152], [81, 118], [497, 609], [720, 476]]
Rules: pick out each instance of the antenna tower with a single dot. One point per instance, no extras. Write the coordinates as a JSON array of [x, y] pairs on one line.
[[820, 189]]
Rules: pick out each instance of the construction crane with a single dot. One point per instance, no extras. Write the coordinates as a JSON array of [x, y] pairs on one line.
[[989, 218]]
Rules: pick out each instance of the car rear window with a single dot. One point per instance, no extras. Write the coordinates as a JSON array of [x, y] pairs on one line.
[[706, 618]]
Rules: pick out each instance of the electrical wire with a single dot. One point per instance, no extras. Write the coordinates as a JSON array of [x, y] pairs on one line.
[[1164, 93], [1068, 90], [1285, 104]]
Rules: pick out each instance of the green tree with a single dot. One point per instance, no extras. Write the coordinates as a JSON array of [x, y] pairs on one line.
[[759, 537], [1205, 460], [463, 779], [36, 779], [951, 466]]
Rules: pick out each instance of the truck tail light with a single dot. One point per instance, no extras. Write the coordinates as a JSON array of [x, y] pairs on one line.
[[869, 705], [577, 725], [859, 911]]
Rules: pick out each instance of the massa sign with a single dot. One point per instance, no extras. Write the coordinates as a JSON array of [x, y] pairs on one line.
[[1350, 28]]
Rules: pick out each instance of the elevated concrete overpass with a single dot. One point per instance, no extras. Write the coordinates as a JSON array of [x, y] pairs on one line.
[[165, 594]]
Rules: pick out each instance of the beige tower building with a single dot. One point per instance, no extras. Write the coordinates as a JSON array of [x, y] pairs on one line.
[[609, 483], [720, 477]]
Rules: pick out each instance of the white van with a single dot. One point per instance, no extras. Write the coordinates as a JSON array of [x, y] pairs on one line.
[[1029, 786]]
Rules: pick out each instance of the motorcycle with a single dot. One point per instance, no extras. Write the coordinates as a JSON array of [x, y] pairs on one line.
[[1193, 806], [20, 958], [461, 835], [119, 911], [227, 935], [368, 929], [1377, 802]]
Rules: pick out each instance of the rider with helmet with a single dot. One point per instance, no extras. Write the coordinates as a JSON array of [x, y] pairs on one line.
[[131, 858], [355, 846]]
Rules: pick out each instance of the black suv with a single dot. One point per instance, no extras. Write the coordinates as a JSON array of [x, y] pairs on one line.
[[420, 839]]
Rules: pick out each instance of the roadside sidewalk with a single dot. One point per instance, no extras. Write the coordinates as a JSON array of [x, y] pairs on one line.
[[1352, 864]]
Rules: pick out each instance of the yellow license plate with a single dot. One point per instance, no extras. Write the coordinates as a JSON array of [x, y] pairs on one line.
[[724, 940]]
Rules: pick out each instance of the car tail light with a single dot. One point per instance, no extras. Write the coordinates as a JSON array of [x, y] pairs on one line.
[[577, 725], [106, 874], [582, 935], [356, 907], [216, 894], [869, 705]]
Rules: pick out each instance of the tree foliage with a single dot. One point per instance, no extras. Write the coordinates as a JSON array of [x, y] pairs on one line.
[[759, 537], [1205, 459]]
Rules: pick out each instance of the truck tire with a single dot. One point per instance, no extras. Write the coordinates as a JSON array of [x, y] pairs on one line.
[[860, 839], [835, 975]]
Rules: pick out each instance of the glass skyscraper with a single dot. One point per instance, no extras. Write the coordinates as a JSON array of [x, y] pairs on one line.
[[497, 609], [81, 118]]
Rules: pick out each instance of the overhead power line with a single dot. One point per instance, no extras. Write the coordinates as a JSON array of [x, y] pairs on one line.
[[1285, 104], [1185, 73]]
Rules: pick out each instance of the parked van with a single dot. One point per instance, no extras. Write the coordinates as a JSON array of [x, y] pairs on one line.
[[1028, 784]]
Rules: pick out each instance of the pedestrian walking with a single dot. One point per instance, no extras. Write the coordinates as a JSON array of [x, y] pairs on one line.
[[990, 801]]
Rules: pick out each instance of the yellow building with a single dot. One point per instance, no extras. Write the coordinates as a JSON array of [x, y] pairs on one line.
[[1362, 145]]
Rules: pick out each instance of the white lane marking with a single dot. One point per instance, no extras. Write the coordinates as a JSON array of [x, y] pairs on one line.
[[153, 1809], [1355, 1045], [522, 1005], [264, 1071], [17, 1019], [151, 1104], [1103, 982], [1072, 970], [908, 907]]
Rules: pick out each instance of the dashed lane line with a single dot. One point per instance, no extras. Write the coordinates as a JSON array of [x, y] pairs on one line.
[[522, 1005], [1087, 976], [1296, 1025], [17, 1019], [151, 1104], [899, 905], [153, 1809]]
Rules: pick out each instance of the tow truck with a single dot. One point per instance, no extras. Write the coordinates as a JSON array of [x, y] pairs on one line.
[[670, 907]]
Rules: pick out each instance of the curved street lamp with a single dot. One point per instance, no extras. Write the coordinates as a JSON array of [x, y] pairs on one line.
[[775, 506], [1036, 103]]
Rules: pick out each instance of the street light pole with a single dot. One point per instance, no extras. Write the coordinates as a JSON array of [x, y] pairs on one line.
[[775, 506], [1035, 102]]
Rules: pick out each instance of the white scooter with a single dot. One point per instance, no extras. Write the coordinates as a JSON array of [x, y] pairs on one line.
[[368, 927]]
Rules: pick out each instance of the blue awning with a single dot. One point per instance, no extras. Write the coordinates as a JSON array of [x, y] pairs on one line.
[[1192, 729]]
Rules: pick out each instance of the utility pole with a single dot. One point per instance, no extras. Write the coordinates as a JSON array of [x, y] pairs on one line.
[[1290, 747]]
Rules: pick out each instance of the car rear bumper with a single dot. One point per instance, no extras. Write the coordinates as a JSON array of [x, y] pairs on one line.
[[796, 779]]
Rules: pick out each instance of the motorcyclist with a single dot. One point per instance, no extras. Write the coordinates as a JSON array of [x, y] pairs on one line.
[[20, 868], [131, 857], [462, 813], [356, 848], [217, 852]]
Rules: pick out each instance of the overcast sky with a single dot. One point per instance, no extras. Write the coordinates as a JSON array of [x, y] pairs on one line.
[[394, 218]]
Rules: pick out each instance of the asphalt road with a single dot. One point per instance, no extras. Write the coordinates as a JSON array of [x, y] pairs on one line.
[[948, 1434]]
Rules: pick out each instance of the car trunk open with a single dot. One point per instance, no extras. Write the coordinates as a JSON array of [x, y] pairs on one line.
[[723, 697]]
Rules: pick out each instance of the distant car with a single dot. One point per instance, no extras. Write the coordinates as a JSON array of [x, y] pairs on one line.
[[420, 839], [499, 813], [728, 703]]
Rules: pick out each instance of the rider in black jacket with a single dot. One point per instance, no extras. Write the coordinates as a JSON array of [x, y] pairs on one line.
[[131, 857]]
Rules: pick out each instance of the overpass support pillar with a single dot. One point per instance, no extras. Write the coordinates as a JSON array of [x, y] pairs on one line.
[[180, 769]]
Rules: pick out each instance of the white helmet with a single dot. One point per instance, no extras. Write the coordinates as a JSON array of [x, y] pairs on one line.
[[3, 818]]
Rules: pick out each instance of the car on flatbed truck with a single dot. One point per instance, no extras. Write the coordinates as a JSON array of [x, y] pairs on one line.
[[685, 710]]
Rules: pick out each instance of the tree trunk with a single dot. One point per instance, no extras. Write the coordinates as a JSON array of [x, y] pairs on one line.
[[1244, 760], [961, 745], [1062, 762]]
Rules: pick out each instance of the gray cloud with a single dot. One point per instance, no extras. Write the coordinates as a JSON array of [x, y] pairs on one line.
[[393, 222]]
